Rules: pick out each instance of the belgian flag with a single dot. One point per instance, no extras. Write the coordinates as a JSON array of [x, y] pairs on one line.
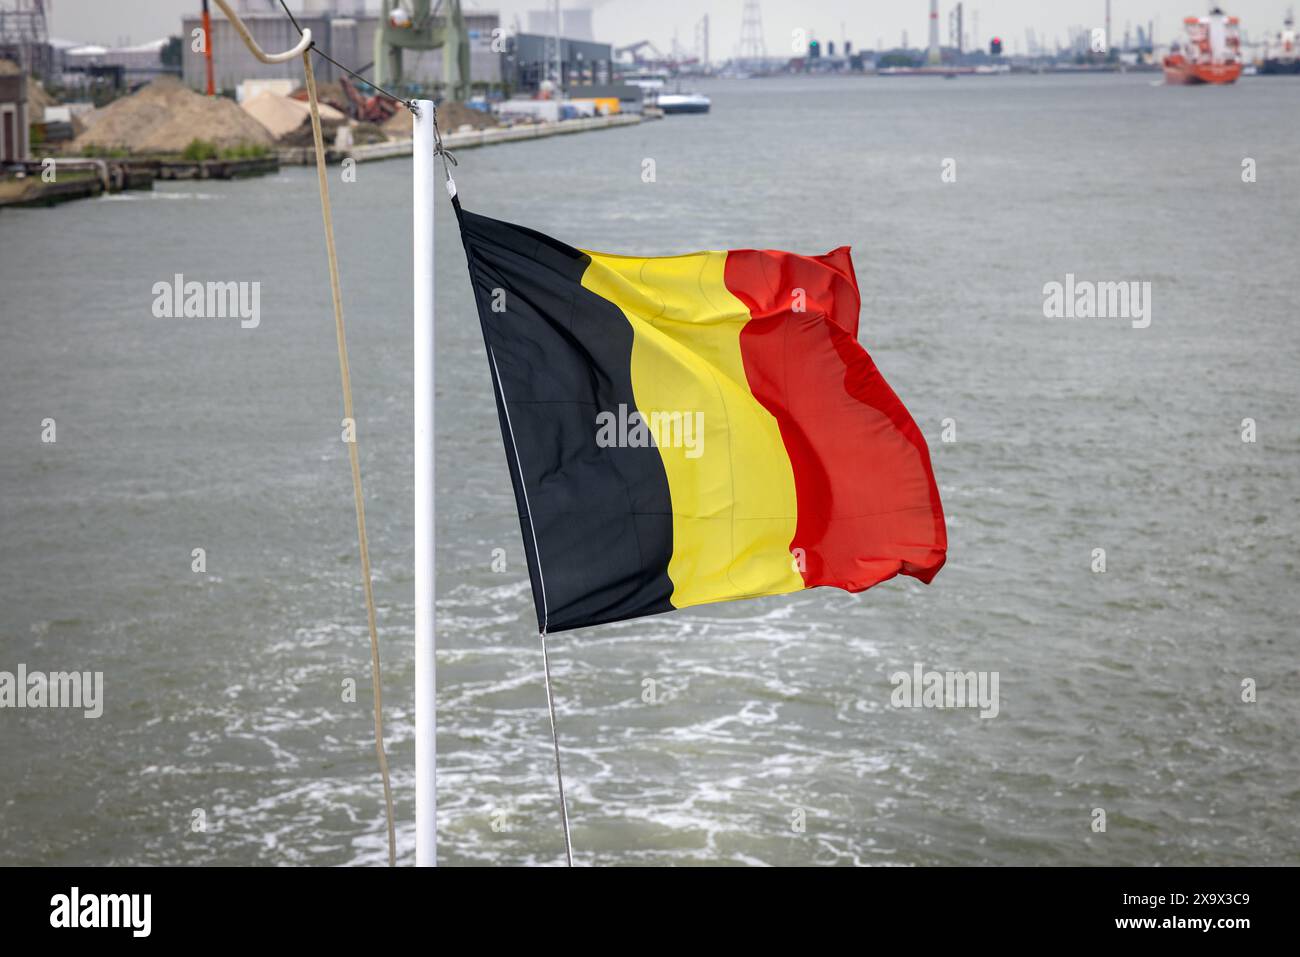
[[695, 428]]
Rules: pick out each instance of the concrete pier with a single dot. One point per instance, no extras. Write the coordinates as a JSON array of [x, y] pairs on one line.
[[465, 140]]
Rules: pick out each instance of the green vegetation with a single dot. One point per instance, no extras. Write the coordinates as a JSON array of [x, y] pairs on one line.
[[246, 151], [199, 150], [71, 175]]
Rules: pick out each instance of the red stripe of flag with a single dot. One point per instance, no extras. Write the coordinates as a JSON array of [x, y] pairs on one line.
[[868, 504]]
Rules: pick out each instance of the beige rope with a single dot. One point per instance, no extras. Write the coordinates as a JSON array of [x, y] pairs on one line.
[[352, 452]]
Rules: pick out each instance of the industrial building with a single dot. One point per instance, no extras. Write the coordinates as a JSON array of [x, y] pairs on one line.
[[530, 59], [342, 29], [575, 23], [131, 65], [350, 40]]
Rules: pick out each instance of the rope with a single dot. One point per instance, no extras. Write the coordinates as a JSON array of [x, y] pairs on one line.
[[555, 741], [353, 456], [448, 159]]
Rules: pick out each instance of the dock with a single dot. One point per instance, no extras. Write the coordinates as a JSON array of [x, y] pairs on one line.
[[74, 178], [463, 140], [81, 178]]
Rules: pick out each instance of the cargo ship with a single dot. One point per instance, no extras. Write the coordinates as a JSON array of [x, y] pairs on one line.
[[1210, 53], [1280, 54]]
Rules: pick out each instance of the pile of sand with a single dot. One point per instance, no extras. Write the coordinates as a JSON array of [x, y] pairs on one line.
[[451, 117], [165, 116], [289, 120]]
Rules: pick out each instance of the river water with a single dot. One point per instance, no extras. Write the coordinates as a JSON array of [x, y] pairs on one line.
[[226, 736]]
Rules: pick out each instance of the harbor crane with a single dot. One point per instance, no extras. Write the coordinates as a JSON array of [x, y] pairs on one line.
[[634, 50], [24, 31], [415, 25]]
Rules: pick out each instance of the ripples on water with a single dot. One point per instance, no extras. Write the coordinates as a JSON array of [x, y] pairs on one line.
[[1118, 691]]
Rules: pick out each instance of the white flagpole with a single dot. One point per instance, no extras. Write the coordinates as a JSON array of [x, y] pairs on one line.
[[426, 748]]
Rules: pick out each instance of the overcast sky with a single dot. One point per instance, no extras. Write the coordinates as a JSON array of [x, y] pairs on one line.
[[626, 21]]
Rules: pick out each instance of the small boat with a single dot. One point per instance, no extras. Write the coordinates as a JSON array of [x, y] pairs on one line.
[[1210, 54], [684, 103]]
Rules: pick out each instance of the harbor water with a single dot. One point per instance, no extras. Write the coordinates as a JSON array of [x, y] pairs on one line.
[[755, 732]]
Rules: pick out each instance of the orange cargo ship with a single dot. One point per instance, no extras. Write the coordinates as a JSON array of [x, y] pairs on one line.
[[1211, 52]]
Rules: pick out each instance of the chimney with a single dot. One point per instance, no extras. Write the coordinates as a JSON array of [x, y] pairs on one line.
[[933, 57]]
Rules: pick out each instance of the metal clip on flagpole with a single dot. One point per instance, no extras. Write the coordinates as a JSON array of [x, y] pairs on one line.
[[448, 157]]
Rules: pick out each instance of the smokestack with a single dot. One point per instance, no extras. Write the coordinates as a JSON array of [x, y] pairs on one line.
[[1107, 27], [933, 57]]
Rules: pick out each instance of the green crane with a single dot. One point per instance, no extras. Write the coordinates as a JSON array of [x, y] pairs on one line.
[[411, 25]]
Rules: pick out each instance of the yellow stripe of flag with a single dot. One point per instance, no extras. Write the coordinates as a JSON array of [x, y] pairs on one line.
[[734, 505]]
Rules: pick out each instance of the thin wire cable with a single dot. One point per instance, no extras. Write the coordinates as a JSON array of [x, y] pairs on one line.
[[292, 19], [409, 104], [555, 741], [353, 456]]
